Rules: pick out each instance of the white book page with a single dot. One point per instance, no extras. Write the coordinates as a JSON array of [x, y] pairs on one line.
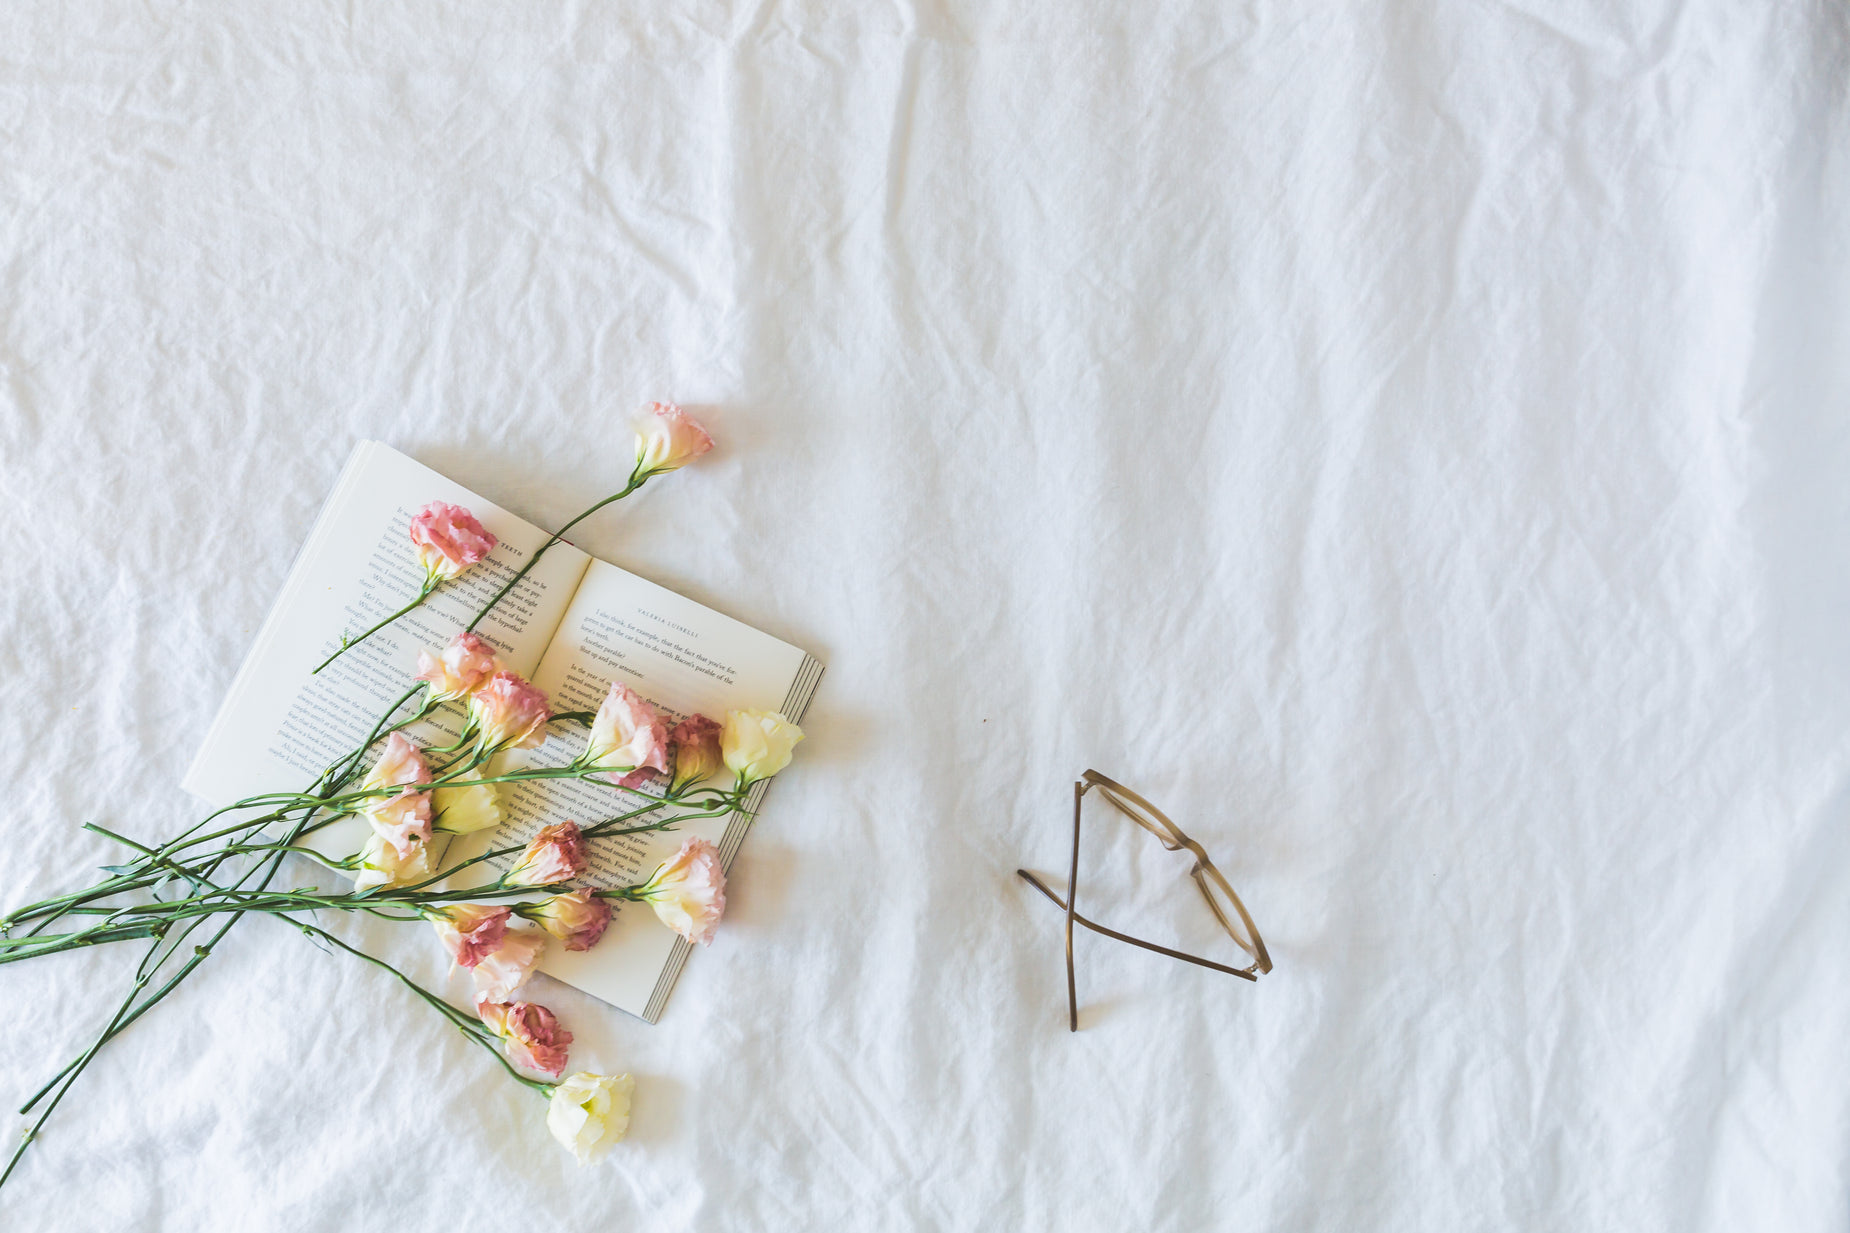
[[279, 727], [683, 658]]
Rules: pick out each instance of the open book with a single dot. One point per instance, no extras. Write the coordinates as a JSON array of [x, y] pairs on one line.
[[572, 626]]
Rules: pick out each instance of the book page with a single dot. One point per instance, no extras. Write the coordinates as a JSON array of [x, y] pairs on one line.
[[279, 727], [683, 658]]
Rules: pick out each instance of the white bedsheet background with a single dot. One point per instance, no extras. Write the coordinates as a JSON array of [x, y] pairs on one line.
[[1408, 446]]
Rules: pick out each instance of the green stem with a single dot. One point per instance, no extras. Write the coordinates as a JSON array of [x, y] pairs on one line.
[[509, 851], [121, 1022], [136, 920], [346, 644], [47, 911], [159, 859], [460, 778], [350, 766], [139, 920], [334, 781], [636, 481], [75, 1069], [468, 1024]]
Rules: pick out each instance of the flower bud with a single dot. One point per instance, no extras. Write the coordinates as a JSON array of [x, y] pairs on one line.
[[696, 751]]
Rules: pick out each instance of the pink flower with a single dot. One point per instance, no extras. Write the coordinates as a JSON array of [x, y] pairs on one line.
[[688, 891], [505, 968], [509, 713], [578, 919], [465, 664], [448, 540], [696, 750], [469, 931], [402, 820], [635, 779], [557, 854], [667, 439], [627, 734], [530, 1034]]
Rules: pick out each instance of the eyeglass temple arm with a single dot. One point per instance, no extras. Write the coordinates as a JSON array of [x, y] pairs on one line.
[[1095, 927], [1071, 905]]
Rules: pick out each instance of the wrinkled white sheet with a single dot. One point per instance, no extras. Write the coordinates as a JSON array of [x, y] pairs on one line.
[[1408, 445]]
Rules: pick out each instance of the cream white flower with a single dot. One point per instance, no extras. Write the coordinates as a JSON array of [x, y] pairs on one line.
[[688, 891], [465, 806], [381, 864], [757, 744], [590, 1112]]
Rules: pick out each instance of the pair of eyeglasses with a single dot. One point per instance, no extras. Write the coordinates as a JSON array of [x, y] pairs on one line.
[[1225, 905]]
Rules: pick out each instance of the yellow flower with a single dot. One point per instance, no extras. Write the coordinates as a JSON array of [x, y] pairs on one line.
[[757, 744], [464, 806]]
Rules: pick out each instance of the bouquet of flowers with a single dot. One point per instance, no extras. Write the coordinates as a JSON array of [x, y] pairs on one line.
[[212, 875]]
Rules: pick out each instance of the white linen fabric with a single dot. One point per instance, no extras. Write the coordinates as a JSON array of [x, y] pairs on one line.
[[1405, 442]]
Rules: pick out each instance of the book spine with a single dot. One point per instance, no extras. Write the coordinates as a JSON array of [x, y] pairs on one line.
[[795, 706]]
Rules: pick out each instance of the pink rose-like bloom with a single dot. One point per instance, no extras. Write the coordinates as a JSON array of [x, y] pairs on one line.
[[578, 919], [470, 931], [627, 733], [402, 820], [688, 891], [505, 968], [531, 1035], [509, 713], [448, 540], [696, 750], [465, 664], [667, 438], [557, 854]]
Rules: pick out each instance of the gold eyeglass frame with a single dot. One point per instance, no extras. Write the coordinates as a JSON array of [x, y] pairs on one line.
[[1207, 878]]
